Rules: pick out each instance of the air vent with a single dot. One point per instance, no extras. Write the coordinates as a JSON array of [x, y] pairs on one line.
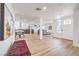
[[38, 9]]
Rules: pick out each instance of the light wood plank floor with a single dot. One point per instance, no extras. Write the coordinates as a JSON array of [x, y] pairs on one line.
[[50, 46]]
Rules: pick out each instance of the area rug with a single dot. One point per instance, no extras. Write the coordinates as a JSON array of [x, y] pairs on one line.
[[19, 48]]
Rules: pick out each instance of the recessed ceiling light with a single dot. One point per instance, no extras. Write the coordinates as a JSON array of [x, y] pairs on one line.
[[44, 8]]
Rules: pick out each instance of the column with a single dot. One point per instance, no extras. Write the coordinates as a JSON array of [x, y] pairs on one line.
[[41, 30], [30, 29]]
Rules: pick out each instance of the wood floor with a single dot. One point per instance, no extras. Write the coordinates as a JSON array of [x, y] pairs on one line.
[[50, 46]]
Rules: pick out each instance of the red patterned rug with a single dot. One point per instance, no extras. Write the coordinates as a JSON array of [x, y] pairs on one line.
[[19, 48]]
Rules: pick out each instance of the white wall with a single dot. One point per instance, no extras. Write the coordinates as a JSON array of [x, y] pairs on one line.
[[5, 44], [66, 30], [76, 26]]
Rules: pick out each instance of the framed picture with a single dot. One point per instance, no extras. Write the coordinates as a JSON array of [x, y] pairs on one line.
[[8, 23]]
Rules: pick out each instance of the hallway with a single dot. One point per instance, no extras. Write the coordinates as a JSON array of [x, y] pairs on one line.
[[50, 47]]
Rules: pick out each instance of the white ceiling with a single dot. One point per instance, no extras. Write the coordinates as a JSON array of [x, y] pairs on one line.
[[54, 10]]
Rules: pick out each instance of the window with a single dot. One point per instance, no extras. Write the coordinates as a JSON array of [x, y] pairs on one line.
[[25, 26], [17, 25], [21, 25]]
